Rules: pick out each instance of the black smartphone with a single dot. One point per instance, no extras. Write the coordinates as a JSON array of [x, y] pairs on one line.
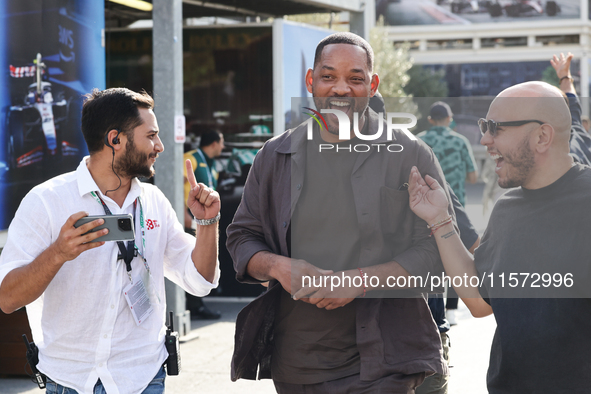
[[120, 227]]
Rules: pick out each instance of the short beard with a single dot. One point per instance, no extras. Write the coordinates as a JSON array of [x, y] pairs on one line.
[[522, 161], [133, 163]]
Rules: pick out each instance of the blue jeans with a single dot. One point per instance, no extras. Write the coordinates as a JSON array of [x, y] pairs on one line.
[[156, 386]]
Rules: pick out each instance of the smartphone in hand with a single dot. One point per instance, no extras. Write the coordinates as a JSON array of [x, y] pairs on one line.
[[120, 227]]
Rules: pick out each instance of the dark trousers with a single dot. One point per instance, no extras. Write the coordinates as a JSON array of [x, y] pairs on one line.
[[393, 384], [452, 299]]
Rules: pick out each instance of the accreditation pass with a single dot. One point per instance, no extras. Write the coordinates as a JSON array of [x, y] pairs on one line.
[[138, 301]]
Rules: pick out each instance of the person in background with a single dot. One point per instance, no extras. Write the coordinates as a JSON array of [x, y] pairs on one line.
[[452, 149], [211, 146], [586, 122], [580, 140], [456, 158]]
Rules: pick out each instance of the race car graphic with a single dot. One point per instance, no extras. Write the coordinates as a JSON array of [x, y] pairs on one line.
[[470, 6], [34, 126], [518, 8]]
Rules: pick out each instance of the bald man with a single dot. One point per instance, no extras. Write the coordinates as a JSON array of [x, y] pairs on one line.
[[542, 226]]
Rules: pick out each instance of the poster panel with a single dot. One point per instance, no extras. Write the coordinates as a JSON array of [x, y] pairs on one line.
[[458, 12], [299, 46], [51, 54]]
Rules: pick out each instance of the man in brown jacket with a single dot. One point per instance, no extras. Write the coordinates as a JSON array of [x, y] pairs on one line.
[[314, 208]]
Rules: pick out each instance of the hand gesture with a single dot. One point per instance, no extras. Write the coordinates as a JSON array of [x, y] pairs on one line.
[[291, 277], [203, 201], [427, 198], [335, 294], [72, 241], [562, 64]]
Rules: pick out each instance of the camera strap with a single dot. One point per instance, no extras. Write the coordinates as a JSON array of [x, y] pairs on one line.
[[126, 253]]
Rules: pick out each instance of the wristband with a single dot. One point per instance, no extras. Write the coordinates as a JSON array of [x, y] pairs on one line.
[[207, 222], [438, 225], [439, 222], [567, 77]]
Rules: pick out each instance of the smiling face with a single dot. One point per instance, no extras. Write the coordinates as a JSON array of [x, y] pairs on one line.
[[342, 80], [141, 149], [532, 155], [511, 147]]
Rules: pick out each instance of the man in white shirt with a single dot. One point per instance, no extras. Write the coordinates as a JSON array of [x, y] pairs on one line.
[[89, 335]]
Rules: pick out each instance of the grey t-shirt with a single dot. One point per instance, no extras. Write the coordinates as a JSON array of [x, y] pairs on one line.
[[541, 345]]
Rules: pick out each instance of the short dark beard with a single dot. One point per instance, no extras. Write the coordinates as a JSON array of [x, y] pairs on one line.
[[522, 160], [133, 163]]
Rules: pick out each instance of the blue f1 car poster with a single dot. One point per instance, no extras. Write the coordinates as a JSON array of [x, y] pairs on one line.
[[51, 54]]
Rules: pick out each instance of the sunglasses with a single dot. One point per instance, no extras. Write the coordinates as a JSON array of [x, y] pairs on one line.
[[491, 125]]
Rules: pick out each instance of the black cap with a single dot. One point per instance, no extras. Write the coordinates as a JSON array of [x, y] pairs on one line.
[[440, 110]]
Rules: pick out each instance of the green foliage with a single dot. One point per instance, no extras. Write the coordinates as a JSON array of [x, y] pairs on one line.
[[426, 86], [426, 83], [549, 76], [392, 65]]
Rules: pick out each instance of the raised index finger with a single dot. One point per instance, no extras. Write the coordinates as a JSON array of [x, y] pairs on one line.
[[190, 174]]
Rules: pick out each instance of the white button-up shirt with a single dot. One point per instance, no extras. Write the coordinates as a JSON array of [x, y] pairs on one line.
[[82, 323]]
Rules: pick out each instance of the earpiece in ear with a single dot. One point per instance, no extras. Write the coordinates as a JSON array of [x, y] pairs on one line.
[[115, 140]]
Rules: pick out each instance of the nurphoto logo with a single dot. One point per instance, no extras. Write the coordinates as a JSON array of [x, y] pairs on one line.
[[345, 130]]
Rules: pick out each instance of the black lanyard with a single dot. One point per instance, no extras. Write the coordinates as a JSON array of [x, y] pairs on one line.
[[125, 254]]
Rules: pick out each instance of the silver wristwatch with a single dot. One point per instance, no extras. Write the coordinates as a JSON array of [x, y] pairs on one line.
[[207, 222]]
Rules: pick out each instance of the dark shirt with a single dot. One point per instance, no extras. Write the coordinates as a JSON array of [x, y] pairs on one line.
[[394, 336], [580, 140], [541, 345], [468, 233]]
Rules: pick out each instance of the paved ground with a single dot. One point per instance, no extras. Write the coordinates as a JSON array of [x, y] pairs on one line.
[[206, 359]]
